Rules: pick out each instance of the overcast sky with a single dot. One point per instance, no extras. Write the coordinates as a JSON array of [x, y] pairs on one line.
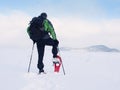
[[79, 22]]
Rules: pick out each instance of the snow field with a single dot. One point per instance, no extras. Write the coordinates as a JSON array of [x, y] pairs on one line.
[[84, 71]]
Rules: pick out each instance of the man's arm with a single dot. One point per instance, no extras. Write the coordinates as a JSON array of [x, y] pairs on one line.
[[49, 28]]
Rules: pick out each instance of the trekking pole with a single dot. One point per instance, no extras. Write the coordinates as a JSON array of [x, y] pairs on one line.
[[31, 57], [62, 62]]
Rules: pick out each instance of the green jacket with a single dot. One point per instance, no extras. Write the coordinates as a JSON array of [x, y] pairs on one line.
[[47, 27]]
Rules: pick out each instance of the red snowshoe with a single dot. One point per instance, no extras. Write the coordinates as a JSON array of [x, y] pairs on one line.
[[57, 63]]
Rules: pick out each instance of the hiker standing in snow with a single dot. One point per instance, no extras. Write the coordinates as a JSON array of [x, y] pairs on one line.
[[48, 38]]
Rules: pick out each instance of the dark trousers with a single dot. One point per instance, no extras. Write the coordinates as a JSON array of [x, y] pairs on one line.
[[41, 46]]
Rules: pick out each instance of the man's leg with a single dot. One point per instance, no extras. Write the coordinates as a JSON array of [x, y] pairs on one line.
[[50, 42], [40, 48], [54, 51]]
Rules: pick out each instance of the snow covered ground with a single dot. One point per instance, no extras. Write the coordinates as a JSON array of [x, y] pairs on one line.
[[84, 71]]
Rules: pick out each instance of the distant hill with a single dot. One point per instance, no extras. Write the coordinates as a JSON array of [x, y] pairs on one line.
[[65, 48], [94, 48], [101, 48]]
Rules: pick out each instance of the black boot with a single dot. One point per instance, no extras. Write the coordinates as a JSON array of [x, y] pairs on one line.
[[41, 71]]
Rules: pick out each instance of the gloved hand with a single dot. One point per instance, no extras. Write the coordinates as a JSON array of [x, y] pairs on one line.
[[56, 42]]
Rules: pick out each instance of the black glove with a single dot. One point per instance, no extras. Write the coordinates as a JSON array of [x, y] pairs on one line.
[[56, 42]]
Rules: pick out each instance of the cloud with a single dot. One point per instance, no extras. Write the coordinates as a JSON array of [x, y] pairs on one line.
[[12, 27], [85, 32], [80, 27], [73, 31]]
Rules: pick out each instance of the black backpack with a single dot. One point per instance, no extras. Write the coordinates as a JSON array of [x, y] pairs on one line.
[[36, 29]]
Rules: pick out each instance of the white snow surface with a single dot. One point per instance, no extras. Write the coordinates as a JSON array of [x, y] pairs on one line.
[[84, 71]]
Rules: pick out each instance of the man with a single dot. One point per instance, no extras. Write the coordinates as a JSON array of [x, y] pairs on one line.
[[46, 40]]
